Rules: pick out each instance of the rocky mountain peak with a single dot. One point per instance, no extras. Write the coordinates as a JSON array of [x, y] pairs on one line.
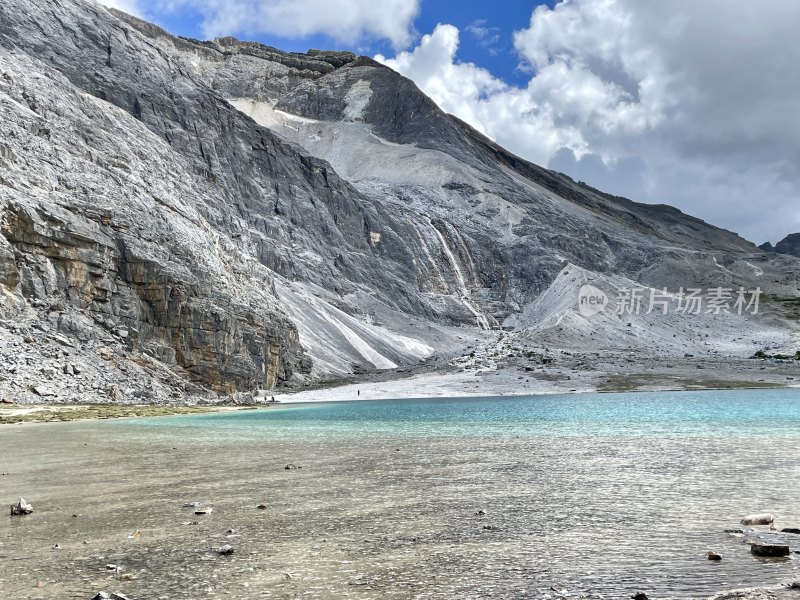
[[789, 245]]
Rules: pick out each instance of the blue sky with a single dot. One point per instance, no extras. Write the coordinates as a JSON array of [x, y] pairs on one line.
[[487, 28], [686, 103]]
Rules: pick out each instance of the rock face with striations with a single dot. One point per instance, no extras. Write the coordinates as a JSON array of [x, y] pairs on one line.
[[246, 217]]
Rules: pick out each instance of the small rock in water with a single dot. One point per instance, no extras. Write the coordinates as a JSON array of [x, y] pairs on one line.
[[21, 508], [733, 531], [262, 507], [191, 505], [639, 596], [758, 519], [291, 467], [109, 596], [204, 511], [480, 513], [769, 550], [713, 556], [793, 530], [225, 550], [795, 585]]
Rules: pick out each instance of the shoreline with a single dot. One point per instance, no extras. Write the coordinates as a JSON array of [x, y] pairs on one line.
[[507, 384], [417, 387], [42, 414]]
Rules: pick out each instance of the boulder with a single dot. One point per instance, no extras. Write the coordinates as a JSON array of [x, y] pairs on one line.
[[793, 530], [225, 550], [44, 391], [21, 508], [713, 556], [758, 519], [769, 550]]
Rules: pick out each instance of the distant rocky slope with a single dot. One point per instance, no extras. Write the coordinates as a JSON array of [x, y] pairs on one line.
[[788, 245], [183, 217]]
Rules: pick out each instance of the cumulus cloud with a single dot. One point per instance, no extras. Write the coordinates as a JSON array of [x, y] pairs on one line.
[[457, 87], [688, 103], [347, 21]]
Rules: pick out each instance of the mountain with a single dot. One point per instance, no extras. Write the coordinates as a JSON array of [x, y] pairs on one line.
[[788, 245], [184, 217]]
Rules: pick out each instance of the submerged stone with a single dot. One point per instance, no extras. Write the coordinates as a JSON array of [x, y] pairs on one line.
[[793, 530], [769, 550]]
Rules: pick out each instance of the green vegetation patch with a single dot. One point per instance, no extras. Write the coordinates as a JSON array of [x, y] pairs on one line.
[[636, 382], [49, 414]]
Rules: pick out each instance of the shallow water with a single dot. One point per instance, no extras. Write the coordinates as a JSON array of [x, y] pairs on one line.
[[595, 495]]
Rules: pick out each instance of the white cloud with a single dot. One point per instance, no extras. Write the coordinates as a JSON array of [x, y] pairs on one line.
[[347, 21], [688, 103], [129, 6]]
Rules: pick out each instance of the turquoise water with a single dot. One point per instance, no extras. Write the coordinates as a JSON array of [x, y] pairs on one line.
[[772, 412], [593, 496]]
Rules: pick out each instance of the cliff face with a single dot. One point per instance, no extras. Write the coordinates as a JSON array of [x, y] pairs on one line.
[[98, 215], [234, 216]]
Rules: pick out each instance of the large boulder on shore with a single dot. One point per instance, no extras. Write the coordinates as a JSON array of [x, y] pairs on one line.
[[758, 519]]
